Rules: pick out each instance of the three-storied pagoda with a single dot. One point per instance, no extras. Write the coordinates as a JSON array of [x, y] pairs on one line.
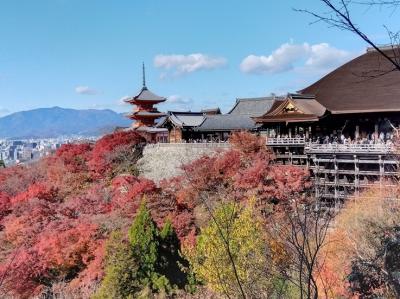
[[145, 114]]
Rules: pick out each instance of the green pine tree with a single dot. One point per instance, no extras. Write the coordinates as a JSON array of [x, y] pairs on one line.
[[143, 236], [149, 261], [121, 268], [170, 262], [2, 164]]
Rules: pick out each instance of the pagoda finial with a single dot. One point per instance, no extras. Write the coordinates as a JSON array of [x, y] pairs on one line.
[[144, 75]]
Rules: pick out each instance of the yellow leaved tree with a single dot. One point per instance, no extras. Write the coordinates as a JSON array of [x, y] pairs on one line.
[[230, 255]]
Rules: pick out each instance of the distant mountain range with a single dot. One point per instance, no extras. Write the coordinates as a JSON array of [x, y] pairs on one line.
[[56, 121]]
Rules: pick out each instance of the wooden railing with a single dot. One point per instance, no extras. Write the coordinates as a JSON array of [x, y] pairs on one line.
[[190, 145], [309, 148], [349, 148], [286, 141], [331, 147]]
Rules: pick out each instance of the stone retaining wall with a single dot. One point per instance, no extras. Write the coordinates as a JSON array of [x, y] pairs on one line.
[[163, 160]]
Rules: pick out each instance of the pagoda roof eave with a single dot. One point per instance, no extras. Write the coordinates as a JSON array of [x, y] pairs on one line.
[[134, 101], [139, 116], [145, 96]]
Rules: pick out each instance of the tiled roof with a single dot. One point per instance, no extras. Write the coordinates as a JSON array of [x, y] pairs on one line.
[[211, 111], [183, 119], [151, 129], [253, 107], [146, 95], [145, 114], [308, 104], [226, 122], [187, 120], [306, 109]]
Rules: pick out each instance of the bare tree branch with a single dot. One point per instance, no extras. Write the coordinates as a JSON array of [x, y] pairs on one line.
[[225, 239], [339, 16], [390, 3]]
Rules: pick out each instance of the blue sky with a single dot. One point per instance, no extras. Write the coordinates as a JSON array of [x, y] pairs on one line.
[[88, 53]]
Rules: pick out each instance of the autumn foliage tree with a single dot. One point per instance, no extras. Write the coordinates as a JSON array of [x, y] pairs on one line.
[[56, 215], [247, 170], [236, 233], [101, 161], [361, 256]]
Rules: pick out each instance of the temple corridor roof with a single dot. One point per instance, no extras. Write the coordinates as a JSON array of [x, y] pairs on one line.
[[182, 119], [226, 122], [253, 106], [186, 119]]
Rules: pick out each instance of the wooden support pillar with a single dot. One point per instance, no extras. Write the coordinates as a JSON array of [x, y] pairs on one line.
[[336, 167], [381, 171], [325, 185], [316, 177], [356, 177]]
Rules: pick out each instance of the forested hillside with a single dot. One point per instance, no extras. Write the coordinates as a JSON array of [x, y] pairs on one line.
[[83, 223], [56, 121]]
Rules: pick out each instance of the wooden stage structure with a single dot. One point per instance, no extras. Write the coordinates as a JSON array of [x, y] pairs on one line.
[[341, 171]]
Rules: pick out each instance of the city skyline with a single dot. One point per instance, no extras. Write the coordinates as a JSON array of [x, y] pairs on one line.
[[82, 55]]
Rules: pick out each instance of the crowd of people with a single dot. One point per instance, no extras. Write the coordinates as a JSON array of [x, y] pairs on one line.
[[373, 138], [333, 139]]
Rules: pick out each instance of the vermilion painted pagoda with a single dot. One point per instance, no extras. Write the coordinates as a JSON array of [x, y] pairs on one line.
[[145, 113]]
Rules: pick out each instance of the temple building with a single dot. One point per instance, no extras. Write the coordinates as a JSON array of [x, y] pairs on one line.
[[342, 127], [145, 114], [218, 127], [181, 124], [358, 99]]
